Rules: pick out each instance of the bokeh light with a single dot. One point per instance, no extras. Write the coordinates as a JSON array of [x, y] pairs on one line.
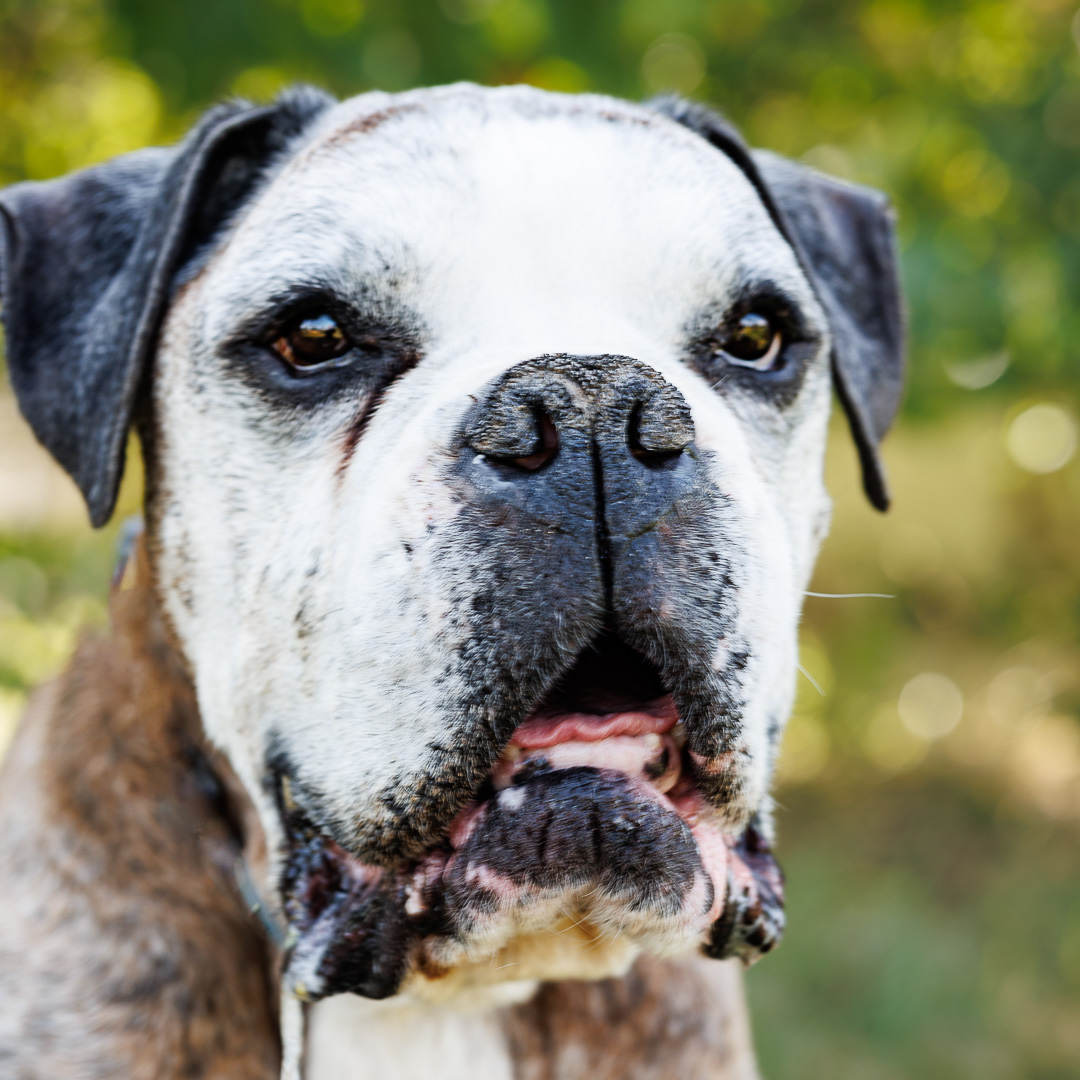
[[1042, 439], [930, 705], [673, 62]]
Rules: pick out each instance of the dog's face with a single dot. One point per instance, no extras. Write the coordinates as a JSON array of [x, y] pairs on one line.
[[485, 441]]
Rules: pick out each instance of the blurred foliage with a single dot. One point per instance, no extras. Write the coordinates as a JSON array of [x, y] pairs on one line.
[[930, 792]]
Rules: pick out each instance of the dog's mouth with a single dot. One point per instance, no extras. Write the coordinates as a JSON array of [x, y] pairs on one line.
[[590, 813]]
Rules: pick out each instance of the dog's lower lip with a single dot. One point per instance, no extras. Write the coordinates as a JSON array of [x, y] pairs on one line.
[[593, 752], [357, 926]]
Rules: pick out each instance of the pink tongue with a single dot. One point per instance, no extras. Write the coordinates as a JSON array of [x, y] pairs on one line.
[[550, 729]]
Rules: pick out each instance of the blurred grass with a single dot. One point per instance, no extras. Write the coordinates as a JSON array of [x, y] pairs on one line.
[[933, 871], [930, 799], [934, 934]]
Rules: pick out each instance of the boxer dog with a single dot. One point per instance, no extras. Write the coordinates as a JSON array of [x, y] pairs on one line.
[[483, 433]]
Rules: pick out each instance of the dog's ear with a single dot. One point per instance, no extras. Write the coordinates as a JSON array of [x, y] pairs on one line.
[[844, 238], [86, 267], [844, 235]]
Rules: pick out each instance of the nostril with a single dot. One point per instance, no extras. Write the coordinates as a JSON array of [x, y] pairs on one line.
[[544, 450], [646, 450], [547, 445]]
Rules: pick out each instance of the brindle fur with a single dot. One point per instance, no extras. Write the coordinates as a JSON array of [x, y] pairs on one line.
[[126, 950]]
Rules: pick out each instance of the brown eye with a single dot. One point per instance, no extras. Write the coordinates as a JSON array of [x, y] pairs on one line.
[[312, 342], [753, 342]]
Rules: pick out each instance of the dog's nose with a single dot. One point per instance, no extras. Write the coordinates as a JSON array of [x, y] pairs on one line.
[[569, 438], [619, 401]]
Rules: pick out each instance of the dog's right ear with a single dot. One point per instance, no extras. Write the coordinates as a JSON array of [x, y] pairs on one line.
[[843, 236], [86, 267]]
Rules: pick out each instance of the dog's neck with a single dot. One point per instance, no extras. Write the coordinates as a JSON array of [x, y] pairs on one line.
[[663, 1019], [125, 949], [121, 916]]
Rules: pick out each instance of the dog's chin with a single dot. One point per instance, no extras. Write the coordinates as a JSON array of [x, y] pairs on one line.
[[588, 844]]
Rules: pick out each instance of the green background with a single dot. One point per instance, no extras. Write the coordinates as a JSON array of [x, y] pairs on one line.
[[930, 796]]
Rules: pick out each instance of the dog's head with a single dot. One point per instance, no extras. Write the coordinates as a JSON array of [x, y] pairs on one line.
[[484, 432]]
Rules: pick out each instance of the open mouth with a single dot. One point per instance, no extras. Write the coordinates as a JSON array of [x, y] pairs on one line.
[[591, 812]]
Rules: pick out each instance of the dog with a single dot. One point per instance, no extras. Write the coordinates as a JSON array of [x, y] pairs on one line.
[[483, 432]]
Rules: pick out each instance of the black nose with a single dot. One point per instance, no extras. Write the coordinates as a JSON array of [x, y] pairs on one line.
[[619, 403], [598, 451]]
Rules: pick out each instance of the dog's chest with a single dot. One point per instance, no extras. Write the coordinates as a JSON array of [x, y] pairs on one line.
[[350, 1038]]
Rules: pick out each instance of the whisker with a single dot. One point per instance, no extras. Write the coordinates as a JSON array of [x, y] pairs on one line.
[[573, 926], [615, 936], [602, 941], [813, 682], [852, 595]]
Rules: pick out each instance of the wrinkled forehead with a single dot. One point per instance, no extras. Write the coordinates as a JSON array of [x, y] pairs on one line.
[[512, 202]]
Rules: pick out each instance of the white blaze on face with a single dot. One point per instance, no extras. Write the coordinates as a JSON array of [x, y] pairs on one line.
[[502, 225]]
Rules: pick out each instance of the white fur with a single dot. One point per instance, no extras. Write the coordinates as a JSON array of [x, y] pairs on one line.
[[352, 1039], [513, 223]]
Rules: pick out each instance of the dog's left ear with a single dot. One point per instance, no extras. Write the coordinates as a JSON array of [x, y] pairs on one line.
[[87, 263], [844, 237]]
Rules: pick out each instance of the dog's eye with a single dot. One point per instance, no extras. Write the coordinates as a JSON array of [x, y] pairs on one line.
[[753, 342], [311, 342]]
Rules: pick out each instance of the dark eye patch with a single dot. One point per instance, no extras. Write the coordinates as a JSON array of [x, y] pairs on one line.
[[761, 343], [310, 346]]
